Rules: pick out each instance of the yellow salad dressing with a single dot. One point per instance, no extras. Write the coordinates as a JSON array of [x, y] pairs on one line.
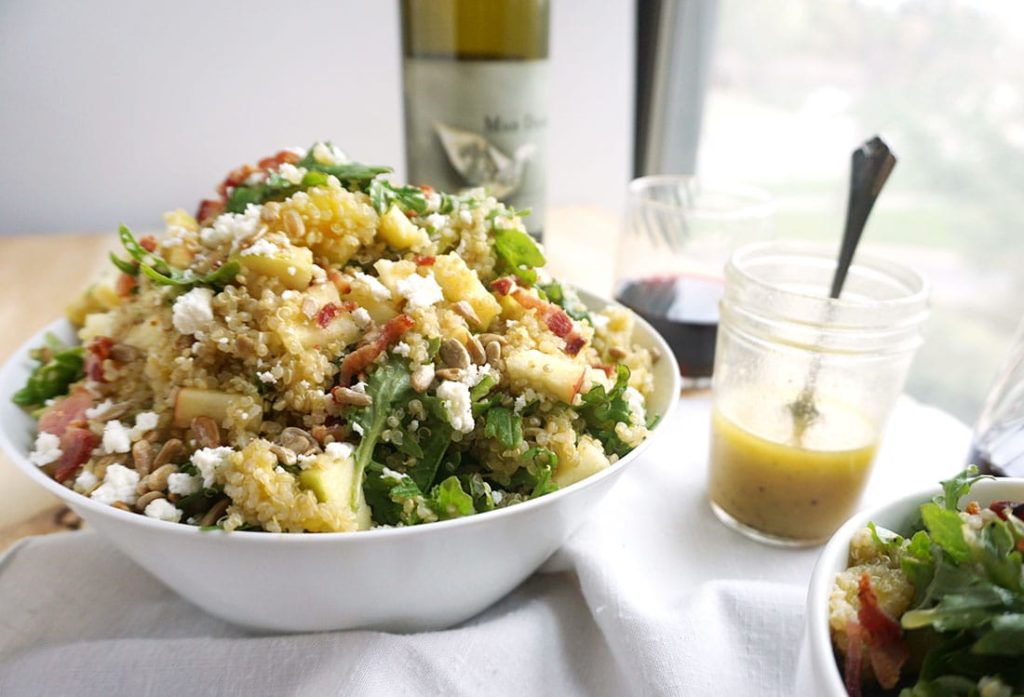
[[764, 478]]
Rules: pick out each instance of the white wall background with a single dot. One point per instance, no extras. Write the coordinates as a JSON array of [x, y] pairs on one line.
[[115, 110]]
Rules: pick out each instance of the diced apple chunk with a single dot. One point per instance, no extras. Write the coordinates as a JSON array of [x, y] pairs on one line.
[[579, 462], [556, 376], [459, 282], [331, 481], [191, 402], [401, 233], [292, 265]]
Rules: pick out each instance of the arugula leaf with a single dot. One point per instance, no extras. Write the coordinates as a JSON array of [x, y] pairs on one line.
[[965, 600], [435, 438], [956, 488], [479, 490], [1006, 637], [59, 367], [918, 564], [538, 473], [603, 409], [386, 385], [159, 271], [517, 253], [449, 500], [946, 528], [408, 198], [998, 554], [889, 542], [544, 484], [505, 426]]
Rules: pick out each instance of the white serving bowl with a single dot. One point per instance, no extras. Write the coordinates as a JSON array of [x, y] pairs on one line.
[[817, 673], [398, 579]]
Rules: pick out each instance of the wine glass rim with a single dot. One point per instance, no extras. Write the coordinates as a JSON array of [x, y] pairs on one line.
[[746, 200]]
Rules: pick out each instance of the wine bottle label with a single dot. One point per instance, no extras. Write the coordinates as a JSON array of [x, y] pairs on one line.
[[479, 123]]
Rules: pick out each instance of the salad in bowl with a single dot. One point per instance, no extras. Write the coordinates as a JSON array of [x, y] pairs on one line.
[[319, 349]]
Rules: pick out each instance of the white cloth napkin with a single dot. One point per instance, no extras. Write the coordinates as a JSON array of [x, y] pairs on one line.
[[652, 597]]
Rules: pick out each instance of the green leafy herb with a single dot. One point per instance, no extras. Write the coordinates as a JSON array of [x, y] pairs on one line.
[[159, 271], [517, 253], [541, 464], [352, 175], [386, 385], [956, 488], [604, 409], [59, 367], [946, 528], [449, 500], [505, 426], [384, 194]]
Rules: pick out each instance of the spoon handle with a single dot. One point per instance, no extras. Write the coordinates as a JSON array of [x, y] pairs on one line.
[[871, 165]]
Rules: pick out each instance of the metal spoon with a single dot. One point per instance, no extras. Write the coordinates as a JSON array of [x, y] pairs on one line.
[[870, 167]]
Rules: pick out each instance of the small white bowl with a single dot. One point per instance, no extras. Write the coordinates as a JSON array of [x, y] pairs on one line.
[[817, 673], [397, 579]]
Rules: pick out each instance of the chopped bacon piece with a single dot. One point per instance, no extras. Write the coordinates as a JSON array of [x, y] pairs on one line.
[[97, 351], [275, 161], [427, 189], [574, 343], [854, 663], [503, 285], [76, 445], [236, 177], [65, 412], [125, 285], [148, 243], [209, 209], [326, 314], [1005, 508], [358, 361], [349, 305], [884, 636], [559, 323], [556, 319], [609, 370], [425, 260]]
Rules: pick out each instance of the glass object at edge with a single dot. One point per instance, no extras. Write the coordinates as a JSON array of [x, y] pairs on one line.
[[767, 478], [677, 237], [998, 445]]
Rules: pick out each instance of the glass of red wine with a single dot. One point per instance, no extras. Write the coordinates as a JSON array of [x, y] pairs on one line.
[[998, 446], [679, 232]]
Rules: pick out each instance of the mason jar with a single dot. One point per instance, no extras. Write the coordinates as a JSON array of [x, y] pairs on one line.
[[803, 385]]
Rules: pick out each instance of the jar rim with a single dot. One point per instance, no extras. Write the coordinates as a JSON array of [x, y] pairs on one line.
[[908, 276], [754, 202]]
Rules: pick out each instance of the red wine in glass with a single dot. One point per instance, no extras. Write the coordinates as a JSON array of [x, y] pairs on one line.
[[684, 310]]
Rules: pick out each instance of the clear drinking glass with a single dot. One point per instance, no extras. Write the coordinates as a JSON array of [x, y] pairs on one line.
[[998, 446], [679, 232], [804, 384]]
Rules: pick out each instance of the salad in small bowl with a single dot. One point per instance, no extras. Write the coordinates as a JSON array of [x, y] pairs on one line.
[[923, 597]]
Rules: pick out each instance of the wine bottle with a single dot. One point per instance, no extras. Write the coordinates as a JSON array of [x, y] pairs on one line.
[[475, 76]]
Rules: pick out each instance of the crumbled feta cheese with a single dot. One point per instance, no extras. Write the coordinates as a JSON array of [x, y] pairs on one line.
[[256, 178], [357, 428], [419, 291], [328, 154], [84, 481], [297, 150], [193, 311], [388, 473], [635, 400], [465, 216], [266, 377], [209, 460], [401, 349], [144, 422], [519, 404], [455, 398], [377, 289], [473, 374], [116, 438], [99, 410], [183, 483], [437, 221], [496, 496], [232, 226], [319, 275], [162, 509], [118, 485], [359, 387], [291, 173], [600, 321], [340, 451], [261, 247], [362, 317], [47, 449], [290, 294]]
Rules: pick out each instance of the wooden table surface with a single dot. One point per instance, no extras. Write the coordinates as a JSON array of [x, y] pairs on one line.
[[42, 273]]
